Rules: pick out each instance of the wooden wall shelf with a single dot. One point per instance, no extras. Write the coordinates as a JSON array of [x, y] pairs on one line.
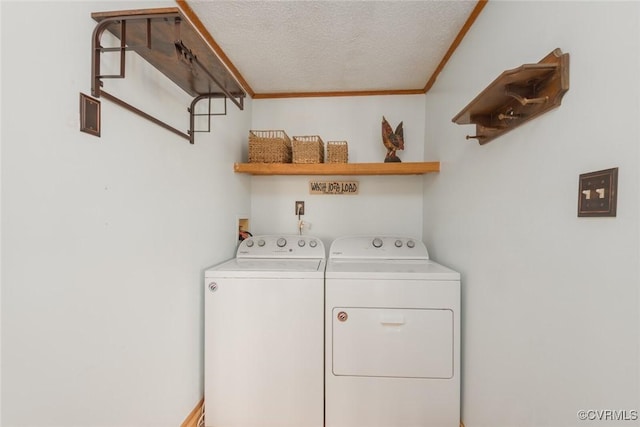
[[167, 40], [517, 96], [407, 168]]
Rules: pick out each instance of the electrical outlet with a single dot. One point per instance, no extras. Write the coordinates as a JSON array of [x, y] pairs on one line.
[[299, 208], [598, 193]]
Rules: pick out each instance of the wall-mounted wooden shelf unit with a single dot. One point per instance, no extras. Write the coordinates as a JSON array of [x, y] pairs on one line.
[[517, 96], [405, 168], [167, 40]]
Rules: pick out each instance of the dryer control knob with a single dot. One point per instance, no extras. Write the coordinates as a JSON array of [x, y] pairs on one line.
[[398, 243], [261, 243], [313, 243], [301, 243], [377, 242], [281, 242], [249, 243], [411, 244]]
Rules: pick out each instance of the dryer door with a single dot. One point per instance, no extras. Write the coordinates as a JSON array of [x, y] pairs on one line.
[[388, 342]]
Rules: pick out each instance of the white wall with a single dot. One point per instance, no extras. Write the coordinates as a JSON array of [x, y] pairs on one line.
[[387, 204], [550, 300], [0, 231], [104, 240]]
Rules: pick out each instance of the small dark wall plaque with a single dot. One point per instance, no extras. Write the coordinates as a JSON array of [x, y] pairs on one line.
[[89, 115], [598, 193]]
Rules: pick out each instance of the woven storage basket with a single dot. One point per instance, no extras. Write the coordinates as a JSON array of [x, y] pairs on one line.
[[337, 152], [308, 149], [269, 146]]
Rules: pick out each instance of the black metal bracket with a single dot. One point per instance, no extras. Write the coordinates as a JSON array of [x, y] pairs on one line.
[[117, 23], [208, 114]]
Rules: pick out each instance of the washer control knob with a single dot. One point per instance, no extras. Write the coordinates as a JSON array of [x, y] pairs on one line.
[[411, 244], [398, 243], [377, 242], [281, 242], [301, 243], [213, 286], [261, 243], [313, 243], [249, 243]]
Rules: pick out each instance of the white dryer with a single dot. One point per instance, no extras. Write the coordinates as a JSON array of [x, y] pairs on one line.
[[264, 335], [392, 335]]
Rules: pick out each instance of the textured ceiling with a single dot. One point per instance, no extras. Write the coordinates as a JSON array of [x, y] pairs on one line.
[[334, 46]]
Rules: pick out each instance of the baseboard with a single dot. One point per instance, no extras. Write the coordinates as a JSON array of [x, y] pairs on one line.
[[194, 415], [461, 424]]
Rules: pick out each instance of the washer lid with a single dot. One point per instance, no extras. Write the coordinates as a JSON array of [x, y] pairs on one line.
[[388, 269], [269, 267], [274, 264]]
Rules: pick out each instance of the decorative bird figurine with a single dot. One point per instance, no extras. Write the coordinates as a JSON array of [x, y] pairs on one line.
[[392, 141]]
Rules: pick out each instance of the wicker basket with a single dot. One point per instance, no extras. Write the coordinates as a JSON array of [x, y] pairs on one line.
[[308, 149], [269, 146], [337, 152]]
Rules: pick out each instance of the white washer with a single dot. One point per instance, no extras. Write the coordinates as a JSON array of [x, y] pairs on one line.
[[392, 335], [264, 334]]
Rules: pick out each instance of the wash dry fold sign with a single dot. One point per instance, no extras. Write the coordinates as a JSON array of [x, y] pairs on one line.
[[333, 187]]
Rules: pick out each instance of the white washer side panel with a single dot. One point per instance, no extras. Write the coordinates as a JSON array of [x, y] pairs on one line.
[[263, 352], [388, 342]]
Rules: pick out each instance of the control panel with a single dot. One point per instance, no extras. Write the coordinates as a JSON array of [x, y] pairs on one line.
[[378, 247], [281, 246]]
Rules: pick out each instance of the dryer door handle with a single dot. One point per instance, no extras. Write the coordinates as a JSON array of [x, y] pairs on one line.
[[392, 320]]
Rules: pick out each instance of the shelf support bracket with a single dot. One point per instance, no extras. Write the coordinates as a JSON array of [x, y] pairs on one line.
[[144, 115], [208, 114]]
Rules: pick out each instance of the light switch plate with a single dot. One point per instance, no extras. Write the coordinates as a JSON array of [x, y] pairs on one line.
[[598, 193]]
